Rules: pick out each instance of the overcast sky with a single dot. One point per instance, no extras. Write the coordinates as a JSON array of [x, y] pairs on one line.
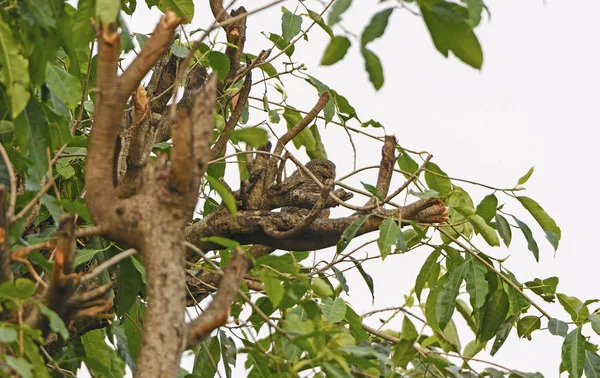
[[534, 103]]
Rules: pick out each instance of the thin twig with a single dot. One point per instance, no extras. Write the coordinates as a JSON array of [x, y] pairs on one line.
[[13, 182], [108, 263], [33, 202]]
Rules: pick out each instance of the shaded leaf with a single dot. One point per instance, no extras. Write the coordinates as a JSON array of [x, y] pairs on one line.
[[531, 243], [349, 233], [558, 327], [477, 285], [388, 235], [425, 271], [446, 299], [15, 73], [224, 193], [495, 312], [487, 207], [573, 353], [503, 229], [368, 279], [272, 285]]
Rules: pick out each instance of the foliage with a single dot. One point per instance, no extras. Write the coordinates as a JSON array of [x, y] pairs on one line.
[[298, 321]]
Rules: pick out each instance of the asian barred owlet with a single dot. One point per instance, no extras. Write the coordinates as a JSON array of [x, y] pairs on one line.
[[323, 169]]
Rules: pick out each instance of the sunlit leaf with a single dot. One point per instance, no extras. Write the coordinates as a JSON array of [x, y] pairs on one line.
[[528, 324], [15, 73], [334, 310], [543, 219], [526, 176], [291, 25], [336, 50], [337, 9], [376, 26], [373, 67], [272, 285]]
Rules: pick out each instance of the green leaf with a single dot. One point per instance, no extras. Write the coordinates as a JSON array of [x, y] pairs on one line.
[[503, 229], [321, 287], [403, 352], [449, 28], [254, 136], [6, 127], [502, 334], [388, 235], [220, 63], [592, 365], [100, 358], [527, 325], [337, 9], [543, 219], [376, 26], [407, 164], [179, 51], [291, 25], [526, 177], [426, 269], [487, 207], [574, 307], [558, 327], [319, 20], [207, 358], [349, 233], [437, 179], [84, 255], [477, 285], [305, 137], [22, 288], [333, 310], [108, 10], [226, 196], [8, 335], [336, 50], [319, 151], [495, 312], [66, 87], [273, 286], [21, 366], [474, 8], [225, 242], [182, 8], [371, 189], [15, 71], [425, 195], [373, 67], [481, 227], [595, 321], [56, 323], [329, 108], [274, 116], [573, 353], [130, 284], [368, 279], [531, 243], [446, 299]]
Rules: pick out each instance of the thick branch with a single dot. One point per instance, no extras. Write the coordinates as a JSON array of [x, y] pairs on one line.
[[153, 48], [220, 144], [386, 168], [254, 227], [6, 273], [217, 312], [310, 218]]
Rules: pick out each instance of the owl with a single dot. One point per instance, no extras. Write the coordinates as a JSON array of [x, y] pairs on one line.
[[323, 169]]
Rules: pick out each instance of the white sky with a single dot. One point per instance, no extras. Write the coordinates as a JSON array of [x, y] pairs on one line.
[[534, 103]]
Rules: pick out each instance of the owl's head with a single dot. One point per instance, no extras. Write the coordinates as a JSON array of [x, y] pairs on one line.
[[322, 168]]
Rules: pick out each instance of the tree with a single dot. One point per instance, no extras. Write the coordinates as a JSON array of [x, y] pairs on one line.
[[102, 178]]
